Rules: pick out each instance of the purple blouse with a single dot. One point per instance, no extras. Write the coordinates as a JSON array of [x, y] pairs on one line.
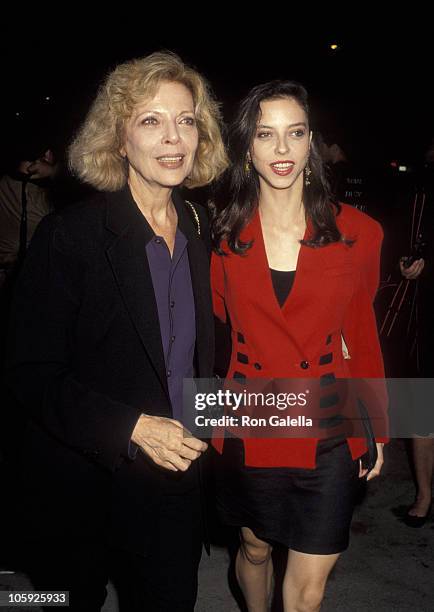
[[175, 303]]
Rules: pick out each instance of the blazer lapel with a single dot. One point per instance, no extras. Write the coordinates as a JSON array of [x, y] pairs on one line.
[[127, 257], [257, 261], [309, 266]]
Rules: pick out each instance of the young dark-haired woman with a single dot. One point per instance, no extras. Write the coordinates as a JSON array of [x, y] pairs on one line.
[[296, 273]]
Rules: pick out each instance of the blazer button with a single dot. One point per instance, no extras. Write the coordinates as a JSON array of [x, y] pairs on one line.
[[257, 366], [304, 365]]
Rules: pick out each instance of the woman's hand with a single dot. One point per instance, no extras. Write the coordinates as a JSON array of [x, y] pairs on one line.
[[413, 271], [167, 442], [377, 467]]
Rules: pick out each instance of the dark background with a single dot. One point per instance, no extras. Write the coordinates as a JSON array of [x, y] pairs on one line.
[[374, 92]]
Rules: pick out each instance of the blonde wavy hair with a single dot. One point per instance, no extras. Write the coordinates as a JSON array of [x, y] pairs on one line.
[[94, 155]]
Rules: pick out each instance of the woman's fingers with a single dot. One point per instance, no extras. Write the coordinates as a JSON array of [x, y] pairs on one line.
[[362, 471], [378, 464], [166, 459], [156, 458], [377, 467], [194, 443], [167, 443], [413, 271], [375, 470], [189, 453]]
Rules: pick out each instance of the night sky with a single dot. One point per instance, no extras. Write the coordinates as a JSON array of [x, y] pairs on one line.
[[374, 92]]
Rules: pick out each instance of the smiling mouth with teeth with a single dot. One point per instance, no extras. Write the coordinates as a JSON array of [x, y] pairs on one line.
[[170, 158], [283, 168], [171, 162], [282, 165]]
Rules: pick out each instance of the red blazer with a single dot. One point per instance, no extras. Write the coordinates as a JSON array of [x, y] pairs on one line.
[[332, 295]]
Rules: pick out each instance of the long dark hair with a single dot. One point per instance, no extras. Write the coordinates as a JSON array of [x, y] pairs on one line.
[[236, 195]]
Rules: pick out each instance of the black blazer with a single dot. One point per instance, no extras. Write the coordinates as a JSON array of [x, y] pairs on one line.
[[86, 359]]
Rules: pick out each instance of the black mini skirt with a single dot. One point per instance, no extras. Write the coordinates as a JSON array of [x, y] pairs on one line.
[[307, 510]]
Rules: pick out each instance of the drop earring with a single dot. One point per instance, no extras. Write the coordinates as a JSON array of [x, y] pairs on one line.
[[248, 165], [307, 173]]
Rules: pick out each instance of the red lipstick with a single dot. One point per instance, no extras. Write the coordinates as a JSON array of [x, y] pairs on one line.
[[282, 167]]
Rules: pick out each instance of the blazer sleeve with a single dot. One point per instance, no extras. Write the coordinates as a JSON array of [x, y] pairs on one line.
[[360, 330], [218, 287], [40, 369]]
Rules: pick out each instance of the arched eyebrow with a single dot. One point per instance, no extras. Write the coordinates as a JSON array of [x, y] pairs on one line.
[[291, 125], [155, 112], [151, 110]]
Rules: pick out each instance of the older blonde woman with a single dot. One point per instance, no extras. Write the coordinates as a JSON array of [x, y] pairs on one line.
[[113, 310]]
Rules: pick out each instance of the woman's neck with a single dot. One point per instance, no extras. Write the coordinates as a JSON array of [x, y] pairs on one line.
[[282, 208], [154, 201]]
